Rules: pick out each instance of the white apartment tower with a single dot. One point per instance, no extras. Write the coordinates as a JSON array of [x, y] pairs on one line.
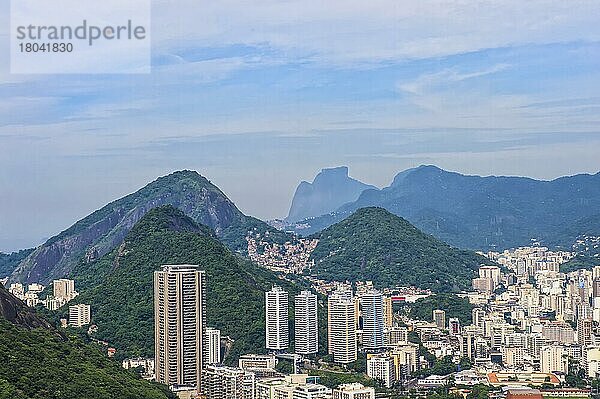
[[342, 327], [276, 312], [79, 315], [180, 325], [213, 338], [372, 313], [306, 323]]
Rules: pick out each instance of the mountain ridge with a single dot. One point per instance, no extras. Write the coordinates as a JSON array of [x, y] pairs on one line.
[[105, 228], [471, 211]]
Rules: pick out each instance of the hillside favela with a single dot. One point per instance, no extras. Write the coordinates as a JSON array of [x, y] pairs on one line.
[[300, 199]]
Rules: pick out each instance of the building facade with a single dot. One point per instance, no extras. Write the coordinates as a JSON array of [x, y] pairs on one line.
[[372, 313], [306, 323], [181, 350], [342, 329], [213, 339], [79, 315], [276, 313]]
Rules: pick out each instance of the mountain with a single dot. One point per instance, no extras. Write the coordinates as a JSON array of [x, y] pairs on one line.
[[373, 244], [39, 362], [119, 285], [330, 189], [480, 212], [101, 231], [9, 262]]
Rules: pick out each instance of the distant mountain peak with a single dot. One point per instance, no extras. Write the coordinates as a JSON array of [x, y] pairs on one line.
[[330, 189]]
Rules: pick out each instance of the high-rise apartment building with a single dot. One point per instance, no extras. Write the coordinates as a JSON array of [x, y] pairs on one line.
[[276, 314], [306, 323], [584, 332], [372, 313], [181, 350], [79, 315], [64, 288], [337, 296], [492, 272], [396, 335], [439, 318], [388, 312], [213, 339], [342, 328]]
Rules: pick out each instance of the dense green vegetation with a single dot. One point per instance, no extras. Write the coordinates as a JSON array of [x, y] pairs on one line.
[[9, 262], [579, 262], [453, 305], [119, 286], [372, 244], [37, 364]]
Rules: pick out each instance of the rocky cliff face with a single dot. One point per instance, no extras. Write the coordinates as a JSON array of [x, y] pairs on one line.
[[330, 189], [103, 230], [16, 312]]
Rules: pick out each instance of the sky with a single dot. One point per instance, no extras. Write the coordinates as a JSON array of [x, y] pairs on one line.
[[259, 95]]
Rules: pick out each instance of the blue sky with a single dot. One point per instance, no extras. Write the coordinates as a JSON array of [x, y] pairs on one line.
[[260, 95]]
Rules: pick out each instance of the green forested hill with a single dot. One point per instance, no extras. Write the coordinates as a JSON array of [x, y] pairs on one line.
[[119, 285], [38, 362], [453, 305], [373, 244]]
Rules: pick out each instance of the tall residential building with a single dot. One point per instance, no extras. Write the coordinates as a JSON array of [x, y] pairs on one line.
[[382, 368], [388, 312], [222, 382], [213, 339], [584, 332], [353, 391], [64, 288], [372, 313], [337, 296], [439, 318], [180, 325], [79, 315], [342, 328], [553, 358], [306, 323], [276, 312], [478, 316]]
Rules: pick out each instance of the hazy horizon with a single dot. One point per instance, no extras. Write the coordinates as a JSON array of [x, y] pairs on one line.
[[132, 184], [258, 96]]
